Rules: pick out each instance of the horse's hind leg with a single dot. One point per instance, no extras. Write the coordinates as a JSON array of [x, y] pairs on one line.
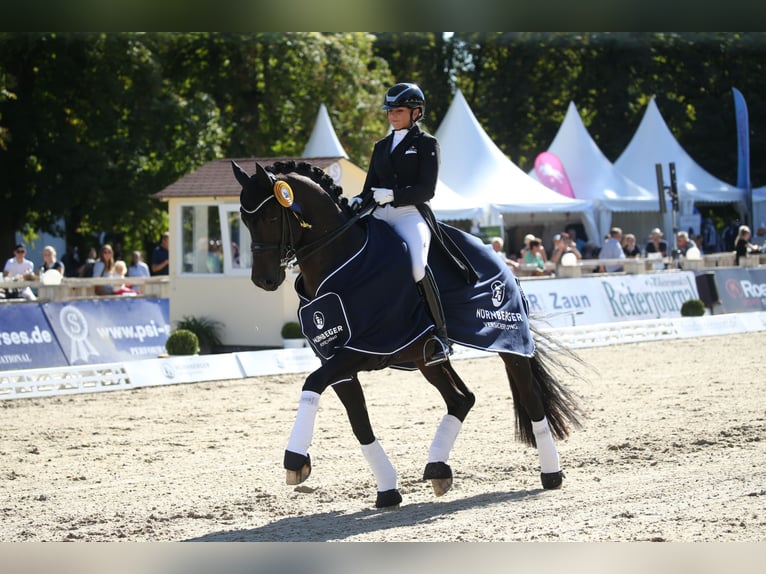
[[459, 401], [531, 396], [351, 395]]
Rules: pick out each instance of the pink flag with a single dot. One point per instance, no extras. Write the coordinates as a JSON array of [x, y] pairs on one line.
[[550, 172]]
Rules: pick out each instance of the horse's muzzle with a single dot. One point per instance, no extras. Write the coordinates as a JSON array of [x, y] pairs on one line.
[[268, 283]]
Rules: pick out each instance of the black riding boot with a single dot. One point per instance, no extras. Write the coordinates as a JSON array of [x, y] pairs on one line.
[[438, 341]]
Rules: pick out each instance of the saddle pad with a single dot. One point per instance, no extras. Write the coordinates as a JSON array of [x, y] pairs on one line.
[[371, 303]]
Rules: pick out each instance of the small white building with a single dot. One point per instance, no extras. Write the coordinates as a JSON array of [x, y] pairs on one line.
[[210, 252]]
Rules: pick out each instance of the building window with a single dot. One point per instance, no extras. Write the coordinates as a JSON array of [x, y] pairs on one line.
[[202, 246]]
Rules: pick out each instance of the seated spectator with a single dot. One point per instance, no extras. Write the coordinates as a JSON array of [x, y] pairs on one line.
[[656, 243], [20, 268], [630, 248], [86, 269], [742, 245], [612, 249], [529, 237], [562, 244], [50, 261], [534, 256], [104, 267], [684, 243], [121, 270], [497, 246], [137, 266]]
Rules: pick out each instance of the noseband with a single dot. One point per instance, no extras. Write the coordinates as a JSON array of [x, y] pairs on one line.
[[287, 254]]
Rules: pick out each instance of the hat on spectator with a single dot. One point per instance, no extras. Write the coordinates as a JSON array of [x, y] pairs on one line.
[[656, 231], [528, 237]]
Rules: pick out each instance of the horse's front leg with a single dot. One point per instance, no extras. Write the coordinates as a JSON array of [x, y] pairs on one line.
[[459, 400], [351, 395], [340, 373]]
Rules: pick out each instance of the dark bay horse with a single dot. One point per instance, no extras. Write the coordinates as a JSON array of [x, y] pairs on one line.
[[295, 213]]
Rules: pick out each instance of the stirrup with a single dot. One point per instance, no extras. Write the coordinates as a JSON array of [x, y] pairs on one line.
[[441, 353]]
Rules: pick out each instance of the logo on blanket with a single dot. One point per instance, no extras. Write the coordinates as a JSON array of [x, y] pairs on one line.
[[318, 320], [498, 293]]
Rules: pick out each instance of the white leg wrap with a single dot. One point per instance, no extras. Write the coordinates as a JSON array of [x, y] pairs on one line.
[[546, 449], [382, 469], [303, 428], [444, 439]]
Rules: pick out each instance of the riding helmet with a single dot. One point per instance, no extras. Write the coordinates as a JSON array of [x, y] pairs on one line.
[[405, 96]]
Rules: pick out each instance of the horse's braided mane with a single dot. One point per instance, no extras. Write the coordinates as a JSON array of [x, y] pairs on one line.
[[315, 174]]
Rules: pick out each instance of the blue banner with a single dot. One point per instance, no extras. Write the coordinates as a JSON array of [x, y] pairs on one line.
[[112, 330], [743, 140], [26, 339], [741, 290]]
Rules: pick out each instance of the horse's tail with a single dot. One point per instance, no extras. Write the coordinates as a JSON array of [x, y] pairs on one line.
[[563, 407]]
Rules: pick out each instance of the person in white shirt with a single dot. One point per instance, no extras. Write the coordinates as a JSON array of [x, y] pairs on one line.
[[20, 268]]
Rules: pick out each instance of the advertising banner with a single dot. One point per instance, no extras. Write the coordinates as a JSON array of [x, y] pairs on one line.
[[593, 300], [26, 338], [741, 289], [110, 330]]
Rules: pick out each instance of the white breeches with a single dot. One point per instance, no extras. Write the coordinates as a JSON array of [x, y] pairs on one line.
[[413, 229]]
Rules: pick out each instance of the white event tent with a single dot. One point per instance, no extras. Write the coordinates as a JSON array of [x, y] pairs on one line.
[[653, 143], [617, 200], [479, 171]]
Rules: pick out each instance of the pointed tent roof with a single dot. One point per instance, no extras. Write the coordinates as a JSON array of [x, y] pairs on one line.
[[654, 143], [323, 141], [591, 174], [478, 170]]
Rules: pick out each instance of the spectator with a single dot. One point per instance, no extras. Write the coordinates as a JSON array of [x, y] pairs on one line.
[[580, 243], [121, 270], [71, 261], [104, 267], [656, 243], [497, 246], [730, 234], [760, 236], [161, 256], [709, 236], [742, 245], [527, 239], [86, 269], [630, 248], [684, 242], [562, 244], [20, 268], [50, 261], [534, 256], [137, 266], [612, 250]]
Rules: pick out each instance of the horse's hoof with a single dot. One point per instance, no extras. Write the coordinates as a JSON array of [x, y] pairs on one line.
[[551, 480], [441, 485], [298, 467], [388, 499], [440, 475]]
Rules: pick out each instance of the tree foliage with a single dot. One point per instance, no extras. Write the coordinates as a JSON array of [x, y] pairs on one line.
[[92, 124]]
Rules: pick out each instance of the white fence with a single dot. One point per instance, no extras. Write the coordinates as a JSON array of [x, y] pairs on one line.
[[199, 368]]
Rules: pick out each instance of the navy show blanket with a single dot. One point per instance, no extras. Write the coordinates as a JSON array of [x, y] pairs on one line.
[[371, 303]]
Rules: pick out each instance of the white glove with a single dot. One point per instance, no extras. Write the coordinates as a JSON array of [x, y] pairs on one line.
[[382, 195], [355, 203]]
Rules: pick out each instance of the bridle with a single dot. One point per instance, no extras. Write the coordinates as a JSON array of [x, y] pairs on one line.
[[288, 254]]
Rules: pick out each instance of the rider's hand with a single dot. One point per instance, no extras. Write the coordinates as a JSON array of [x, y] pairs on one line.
[[382, 195], [355, 203]]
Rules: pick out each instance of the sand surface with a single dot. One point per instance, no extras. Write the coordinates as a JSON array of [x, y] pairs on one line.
[[673, 449]]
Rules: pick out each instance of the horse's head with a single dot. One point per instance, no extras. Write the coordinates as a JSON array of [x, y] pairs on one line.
[[274, 204]]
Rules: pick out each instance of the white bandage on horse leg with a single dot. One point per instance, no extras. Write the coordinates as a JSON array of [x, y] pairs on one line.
[[444, 439], [303, 428], [546, 449], [382, 469]]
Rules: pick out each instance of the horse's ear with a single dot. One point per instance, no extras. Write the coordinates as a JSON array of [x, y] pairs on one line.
[[263, 178], [240, 174]]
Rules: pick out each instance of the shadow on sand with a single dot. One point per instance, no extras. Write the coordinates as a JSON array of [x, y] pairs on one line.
[[326, 526]]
